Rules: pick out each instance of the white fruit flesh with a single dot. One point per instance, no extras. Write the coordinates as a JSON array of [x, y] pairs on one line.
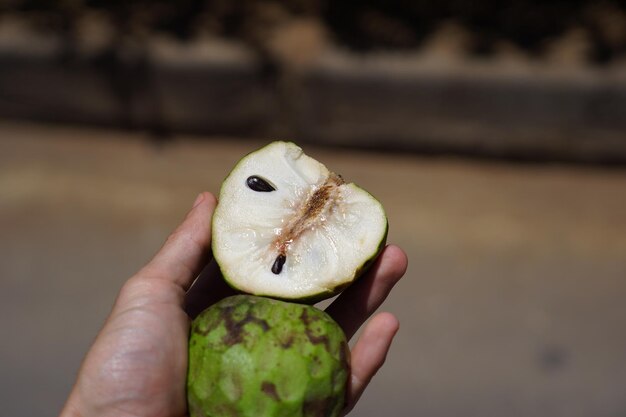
[[325, 229]]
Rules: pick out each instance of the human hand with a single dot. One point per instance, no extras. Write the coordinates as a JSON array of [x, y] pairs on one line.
[[137, 366]]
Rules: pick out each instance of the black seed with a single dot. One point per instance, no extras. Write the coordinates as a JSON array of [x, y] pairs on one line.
[[259, 184], [278, 264]]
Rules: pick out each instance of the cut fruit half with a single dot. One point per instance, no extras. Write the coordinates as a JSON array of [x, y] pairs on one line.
[[286, 227]]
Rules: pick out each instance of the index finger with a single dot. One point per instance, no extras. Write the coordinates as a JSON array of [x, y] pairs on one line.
[[357, 303]]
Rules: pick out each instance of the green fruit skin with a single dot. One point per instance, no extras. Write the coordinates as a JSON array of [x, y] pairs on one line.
[[252, 356]]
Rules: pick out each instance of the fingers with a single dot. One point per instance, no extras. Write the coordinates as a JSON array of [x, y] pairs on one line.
[[186, 251], [369, 354], [353, 307]]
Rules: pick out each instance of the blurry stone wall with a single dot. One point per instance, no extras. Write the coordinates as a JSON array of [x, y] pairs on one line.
[[518, 79]]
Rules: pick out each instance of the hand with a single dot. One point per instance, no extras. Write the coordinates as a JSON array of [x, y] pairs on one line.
[[137, 365]]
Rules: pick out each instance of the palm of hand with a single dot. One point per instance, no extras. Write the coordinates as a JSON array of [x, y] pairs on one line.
[[137, 366]]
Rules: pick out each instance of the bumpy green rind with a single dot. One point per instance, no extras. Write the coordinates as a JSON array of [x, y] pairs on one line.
[[257, 357]]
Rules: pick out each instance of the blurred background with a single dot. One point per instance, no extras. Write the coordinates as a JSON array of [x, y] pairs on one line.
[[494, 133]]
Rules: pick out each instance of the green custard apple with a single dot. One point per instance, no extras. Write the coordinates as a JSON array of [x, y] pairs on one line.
[[286, 227], [253, 356]]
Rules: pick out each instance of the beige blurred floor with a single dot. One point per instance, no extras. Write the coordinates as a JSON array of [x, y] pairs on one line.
[[514, 303]]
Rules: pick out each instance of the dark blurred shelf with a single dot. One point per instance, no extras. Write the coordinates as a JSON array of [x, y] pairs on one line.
[[404, 102]]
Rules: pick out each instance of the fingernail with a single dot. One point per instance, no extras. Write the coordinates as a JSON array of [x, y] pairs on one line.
[[198, 200]]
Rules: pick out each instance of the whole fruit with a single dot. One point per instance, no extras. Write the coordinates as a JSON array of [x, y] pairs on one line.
[[286, 227], [258, 357]]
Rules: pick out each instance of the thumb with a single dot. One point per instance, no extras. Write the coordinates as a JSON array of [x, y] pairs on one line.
[[187, 250]]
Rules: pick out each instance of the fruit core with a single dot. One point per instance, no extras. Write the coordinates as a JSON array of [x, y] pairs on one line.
[[311, 213]]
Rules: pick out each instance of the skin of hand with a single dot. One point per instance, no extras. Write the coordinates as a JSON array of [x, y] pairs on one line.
[[137, 365]]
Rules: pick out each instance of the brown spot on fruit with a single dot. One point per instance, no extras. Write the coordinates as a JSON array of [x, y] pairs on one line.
[[235, 329], [306, 319], [310, 334], [269, 389], [287, 343]]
